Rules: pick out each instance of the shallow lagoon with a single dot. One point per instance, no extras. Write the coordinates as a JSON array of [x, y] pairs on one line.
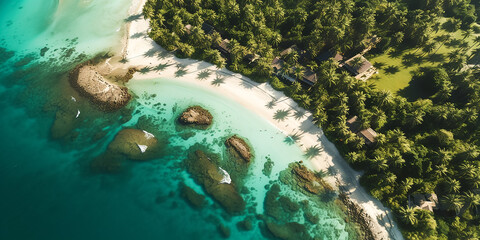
[[48, 189]]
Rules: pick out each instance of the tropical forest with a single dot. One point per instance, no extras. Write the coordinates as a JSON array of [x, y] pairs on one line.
[[395, 84]]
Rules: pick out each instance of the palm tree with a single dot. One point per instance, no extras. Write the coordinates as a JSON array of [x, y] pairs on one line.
[[408, 215], [276, 38], [385, 97], [452, 185], [469, 200], [299, 70], [379, 163], [441, 170], [406, 185], [452, 202]]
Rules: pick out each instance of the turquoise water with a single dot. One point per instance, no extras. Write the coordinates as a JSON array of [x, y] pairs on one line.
[[48, 189]]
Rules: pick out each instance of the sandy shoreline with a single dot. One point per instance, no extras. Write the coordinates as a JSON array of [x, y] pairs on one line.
[[262, 99]]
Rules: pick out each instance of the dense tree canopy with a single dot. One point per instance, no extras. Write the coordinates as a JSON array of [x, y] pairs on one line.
[[424, 145]]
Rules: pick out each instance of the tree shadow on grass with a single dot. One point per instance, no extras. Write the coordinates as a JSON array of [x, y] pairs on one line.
[[391, 69], [395, 53], [379, 65], [419, 87], [453, 43], [411, 59], [436, 57], [281, 115]]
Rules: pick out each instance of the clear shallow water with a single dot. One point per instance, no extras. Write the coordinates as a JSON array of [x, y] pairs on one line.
[[48, 190]]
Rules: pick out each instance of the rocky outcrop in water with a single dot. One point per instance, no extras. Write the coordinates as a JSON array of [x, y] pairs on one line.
[[206, 173], [306, 180], [91, 84], [135, 144], [239, 147], [196, 116], [358, 215]]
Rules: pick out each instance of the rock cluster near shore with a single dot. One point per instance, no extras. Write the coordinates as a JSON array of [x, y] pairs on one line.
[[206, 173], [196, 116], [91, 84], [358, 215], [239, 147], [307, 180]]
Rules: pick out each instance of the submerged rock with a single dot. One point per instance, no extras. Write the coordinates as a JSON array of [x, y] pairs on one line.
[[64, 123], [135, 144], [223, 230], [207, 174], [107, 163], [239, 147], [245, 225], [196, 116], [193, 198], [43, 51], [288, 231], [90, 83]]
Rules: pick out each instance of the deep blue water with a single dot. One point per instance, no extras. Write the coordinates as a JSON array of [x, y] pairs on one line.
[[48, 189]]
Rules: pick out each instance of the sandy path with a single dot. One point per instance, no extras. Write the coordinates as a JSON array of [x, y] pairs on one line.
[[140, 50]]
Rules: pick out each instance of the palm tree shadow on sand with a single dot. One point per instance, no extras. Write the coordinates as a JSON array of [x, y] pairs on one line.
[[150, 53], [160, 67], [219, 79], [204, 74], [313, 151], [299, 114], [133, 18], [145, 70], [281, 115], [292, 138], [271, 104]]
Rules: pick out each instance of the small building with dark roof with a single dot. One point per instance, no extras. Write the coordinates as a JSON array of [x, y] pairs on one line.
[[224, 48], [309, 77], [207, 28], [278, 69], [368, 134], [428, 201], [360, 67]]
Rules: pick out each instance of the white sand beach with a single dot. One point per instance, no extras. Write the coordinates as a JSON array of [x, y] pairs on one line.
[[262, 99]]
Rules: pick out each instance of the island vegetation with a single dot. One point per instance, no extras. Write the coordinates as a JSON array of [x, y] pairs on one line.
[[419, 143]]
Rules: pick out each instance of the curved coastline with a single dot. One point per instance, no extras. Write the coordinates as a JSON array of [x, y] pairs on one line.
[[142, 51]]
